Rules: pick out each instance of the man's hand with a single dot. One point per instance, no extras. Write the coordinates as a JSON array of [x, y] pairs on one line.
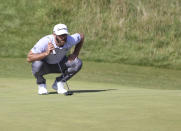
[[72, 57], [50, 48], [39, 56]]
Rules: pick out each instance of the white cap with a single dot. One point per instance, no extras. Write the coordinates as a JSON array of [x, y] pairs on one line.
[[60, 29]]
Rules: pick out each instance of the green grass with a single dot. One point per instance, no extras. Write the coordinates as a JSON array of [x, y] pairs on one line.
[[129, 75], [107, 97], [117, 108]]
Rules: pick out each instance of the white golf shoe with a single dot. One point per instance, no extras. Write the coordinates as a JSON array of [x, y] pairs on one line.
[[42, 89], [59, 87]]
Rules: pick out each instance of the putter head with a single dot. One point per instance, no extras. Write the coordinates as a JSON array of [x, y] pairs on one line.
[[68, 93]]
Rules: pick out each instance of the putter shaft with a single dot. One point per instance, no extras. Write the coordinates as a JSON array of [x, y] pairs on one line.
[[63, 76]]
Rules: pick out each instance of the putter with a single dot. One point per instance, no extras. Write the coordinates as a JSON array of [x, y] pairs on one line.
[[68, 92]]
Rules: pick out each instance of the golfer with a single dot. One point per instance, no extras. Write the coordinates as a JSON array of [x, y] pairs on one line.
[[50, 52]]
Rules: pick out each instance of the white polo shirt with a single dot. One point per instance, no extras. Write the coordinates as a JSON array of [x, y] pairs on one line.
[[42, 45]]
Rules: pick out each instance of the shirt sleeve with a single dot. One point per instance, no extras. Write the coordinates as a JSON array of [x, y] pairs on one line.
[[73, 40], [40, 46]]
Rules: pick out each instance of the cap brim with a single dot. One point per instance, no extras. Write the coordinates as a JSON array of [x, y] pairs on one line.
[[61, 32]]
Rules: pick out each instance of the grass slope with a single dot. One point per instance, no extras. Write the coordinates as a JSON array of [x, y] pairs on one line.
[[129, 75]]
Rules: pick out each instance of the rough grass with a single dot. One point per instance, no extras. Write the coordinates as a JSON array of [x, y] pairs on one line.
[[120, 31]]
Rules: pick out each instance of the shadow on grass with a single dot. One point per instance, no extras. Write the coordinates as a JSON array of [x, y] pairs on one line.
[[84, 91]]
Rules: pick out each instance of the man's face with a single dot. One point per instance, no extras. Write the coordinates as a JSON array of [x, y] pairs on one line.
[[61, 39]]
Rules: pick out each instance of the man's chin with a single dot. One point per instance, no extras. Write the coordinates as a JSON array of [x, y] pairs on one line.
[[61, 44]]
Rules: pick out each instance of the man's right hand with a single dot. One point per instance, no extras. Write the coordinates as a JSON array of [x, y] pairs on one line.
[[39, 56], [50, 48]]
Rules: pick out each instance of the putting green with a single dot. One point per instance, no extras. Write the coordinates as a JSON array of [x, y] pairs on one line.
[[93, 107]]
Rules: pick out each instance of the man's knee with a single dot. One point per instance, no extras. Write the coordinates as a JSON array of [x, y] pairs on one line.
[[36, 65], [76, 66]]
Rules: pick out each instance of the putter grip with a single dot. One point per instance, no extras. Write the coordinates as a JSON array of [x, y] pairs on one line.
[[53, 51]]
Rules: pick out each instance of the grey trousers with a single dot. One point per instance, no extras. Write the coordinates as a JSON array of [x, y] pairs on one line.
[[69, 68]]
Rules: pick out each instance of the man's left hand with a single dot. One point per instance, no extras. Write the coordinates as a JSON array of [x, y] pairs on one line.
[[72, 57]]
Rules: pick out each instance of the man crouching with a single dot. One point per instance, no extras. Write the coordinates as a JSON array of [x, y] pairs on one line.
[[50, 52]]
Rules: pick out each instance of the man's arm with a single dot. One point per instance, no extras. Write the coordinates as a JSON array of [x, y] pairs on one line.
[[77, 48], [35, 57]]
